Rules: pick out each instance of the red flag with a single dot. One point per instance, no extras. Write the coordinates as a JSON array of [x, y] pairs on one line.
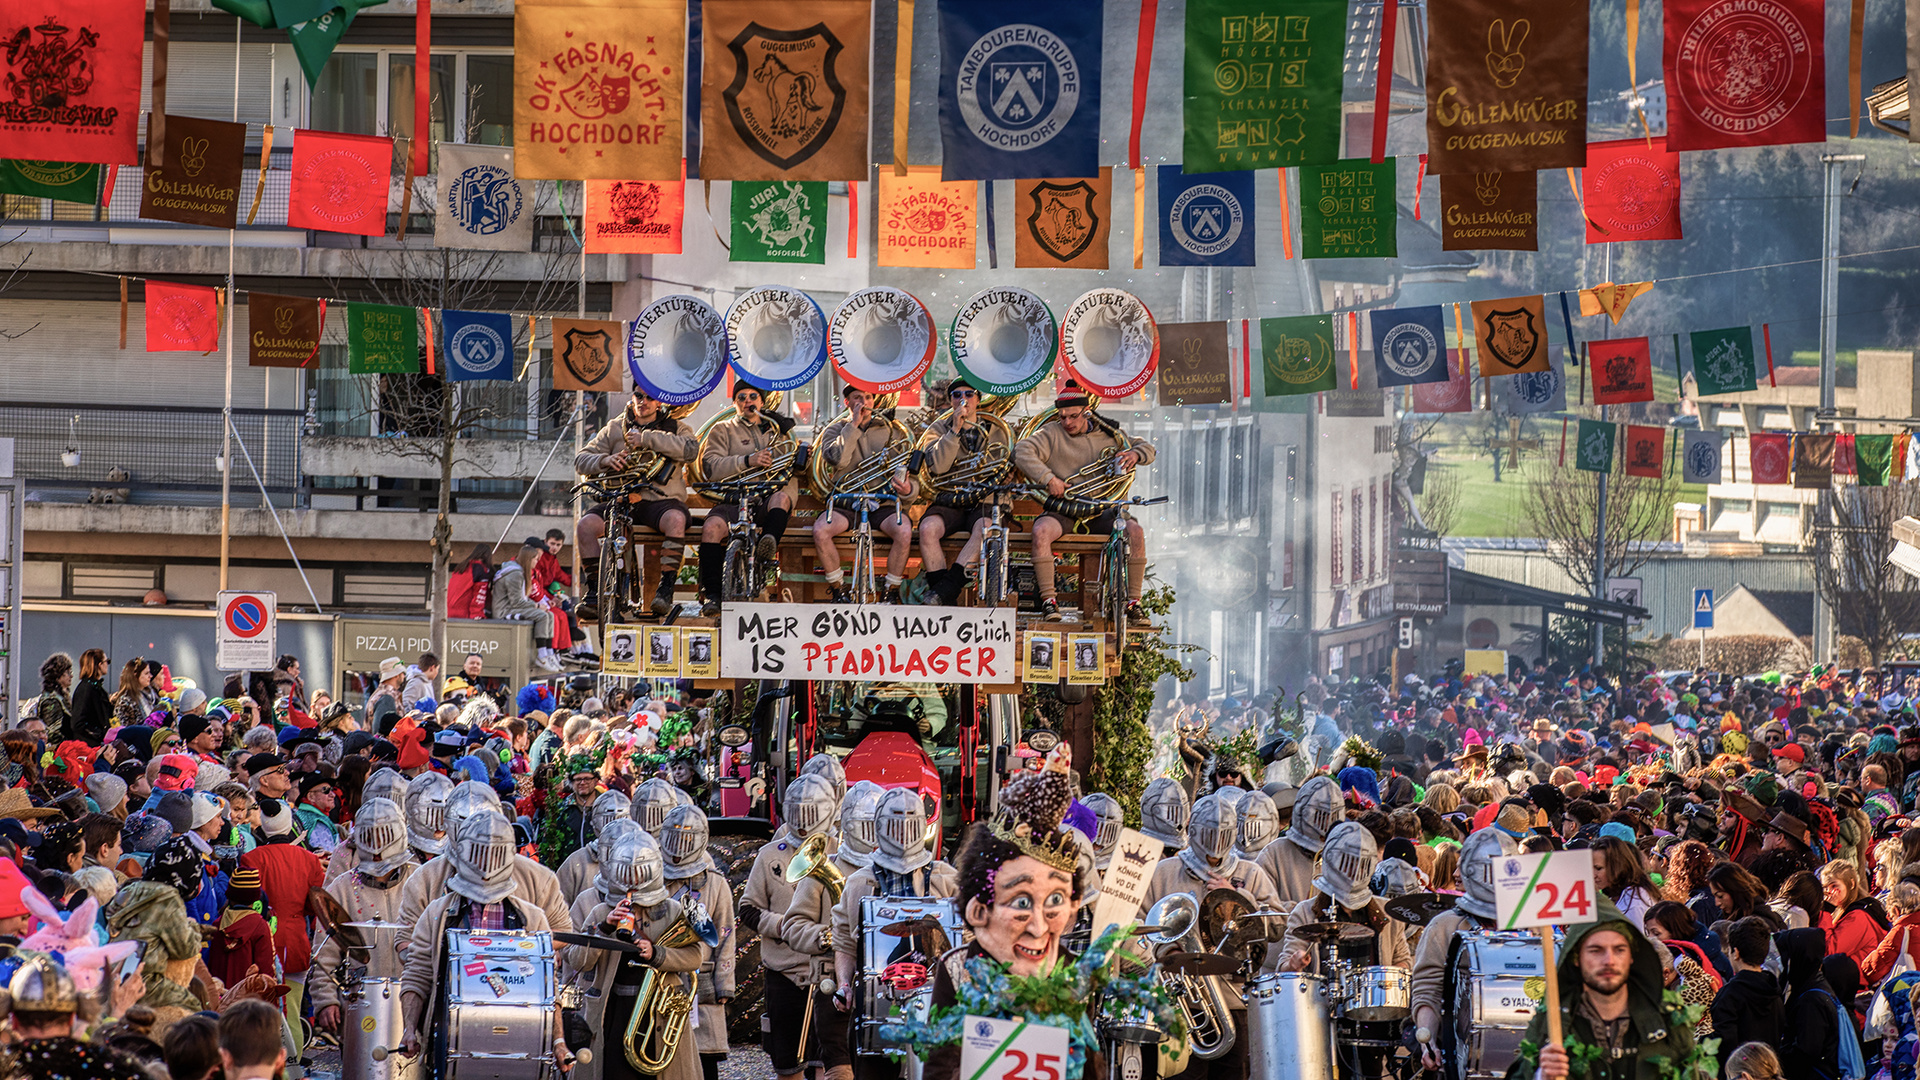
[[1843, 460], [634, 216], [1632, 192], [1454, 395], [1622, 371], [182, 318], [73, 80], [1744, 73], [340, 182], [1770, 459], [1646, 450]]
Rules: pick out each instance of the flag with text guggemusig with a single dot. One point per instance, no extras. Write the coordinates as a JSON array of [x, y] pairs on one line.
[[1263, 83], [1063, 221], [783, 89]]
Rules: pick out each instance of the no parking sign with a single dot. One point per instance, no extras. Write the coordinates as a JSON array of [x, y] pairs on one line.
[[246, 631]]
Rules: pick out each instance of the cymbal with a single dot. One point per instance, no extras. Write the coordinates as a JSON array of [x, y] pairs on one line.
[[909, 927], [1419, 909], [595, 941], [1198, 963], [1332, 931]]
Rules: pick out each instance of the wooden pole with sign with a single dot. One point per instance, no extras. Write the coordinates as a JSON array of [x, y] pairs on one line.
[[1552, 1003], [1539, 891]]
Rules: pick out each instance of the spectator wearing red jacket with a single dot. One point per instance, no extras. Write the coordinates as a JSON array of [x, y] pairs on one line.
[[1857, 922], [288, 872], [241, 942], [469, 583]]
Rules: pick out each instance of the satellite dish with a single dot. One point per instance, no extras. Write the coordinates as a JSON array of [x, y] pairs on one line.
[[677, 349], [881, 339], [776, 337], [1110, 342], [1003, 340]]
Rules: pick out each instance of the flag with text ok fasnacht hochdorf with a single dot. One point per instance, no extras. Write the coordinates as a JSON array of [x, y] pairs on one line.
[[597, 89], [1506, 86], [1263, 84]]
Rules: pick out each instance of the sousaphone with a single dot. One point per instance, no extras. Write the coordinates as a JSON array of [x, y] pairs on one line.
[[1003, 342], [776, 337], [677, 351], [881, 339], [1110, 343]]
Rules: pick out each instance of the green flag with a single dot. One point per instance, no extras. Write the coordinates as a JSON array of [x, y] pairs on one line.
[[1873, 458], [313, 26], [1723, 360], [382, 339], [1297, 355], [1263, 88], [1595, 451], [782, 221], [62, 180], [1347, 210]]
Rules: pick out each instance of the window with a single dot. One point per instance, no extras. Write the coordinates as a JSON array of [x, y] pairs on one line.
[[400, 96], [1780, 509], [1333, 542], [370, 92], [347, 94], [105, 582], [1735, 506]]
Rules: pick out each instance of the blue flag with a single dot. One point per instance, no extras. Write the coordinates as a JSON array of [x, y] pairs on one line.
[[478, 345], [1409, 346], [1206, 219], [1019, 89]]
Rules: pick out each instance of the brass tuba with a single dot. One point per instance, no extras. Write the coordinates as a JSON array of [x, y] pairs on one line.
[[784, 449], [812, 861], [873, 474], [660, 1011], [1203, 1004], [986, 466], [1097, 479]]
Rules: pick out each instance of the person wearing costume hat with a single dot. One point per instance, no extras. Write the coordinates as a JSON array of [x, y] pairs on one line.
[[1074, 439], [956, 436], [857, 435], [743, 441], [1475, 910], [645, 426], [46, 1003]]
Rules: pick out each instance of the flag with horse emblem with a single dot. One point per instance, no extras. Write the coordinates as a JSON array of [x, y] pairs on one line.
[[780, 221], [1019, 89], [1206, 219], [482, 205], [597, 89], [783, 92], [583, 354], [283, 331], [1409, 345], [1594, 446], [1723, 361], [635, 217], [1063, 222], [925, 221], [1511, 335], [477, 345], [72, 78], [1622, 370]]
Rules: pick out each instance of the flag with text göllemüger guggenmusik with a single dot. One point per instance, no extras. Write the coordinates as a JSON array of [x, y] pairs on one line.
[[1206, 219], [1019, 89], [1506, 86], [1409, 345], [1263, 83]]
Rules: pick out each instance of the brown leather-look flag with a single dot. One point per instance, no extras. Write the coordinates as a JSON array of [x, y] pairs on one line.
[[587, 354], [1506, 86], [1194, 367], [1490, 211], [1064, 222], [283, 331], [198, 179], [1812, 461], [783, 90]]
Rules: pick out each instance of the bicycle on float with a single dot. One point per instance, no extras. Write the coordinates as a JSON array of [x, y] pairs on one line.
[[993, 579], [620, 573], [861, 584], [744, 575], [1111, 595]]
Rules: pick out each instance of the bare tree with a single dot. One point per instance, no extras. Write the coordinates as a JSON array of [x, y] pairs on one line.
[[1563, 505], [1440, 498], [1872, 599], [12, 278]]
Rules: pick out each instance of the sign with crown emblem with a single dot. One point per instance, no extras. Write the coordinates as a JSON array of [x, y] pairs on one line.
[[1490, 211], [848, 642], [1409, 346], [1506, 86], [1296, 355], [283, 331], [482, 205], [72, 77], [1723, 360], [1063, 222], [1019, 89], [479, 345], [784, 90], [1206, 219], [198, 181], [597, 89], [1194, 365], [634, 217], [585, 354], [1263, 83], [1511, 335]]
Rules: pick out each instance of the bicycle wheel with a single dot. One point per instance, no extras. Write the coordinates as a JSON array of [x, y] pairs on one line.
[[736, 573], [615, 587], [1113, 584], [993, 570]]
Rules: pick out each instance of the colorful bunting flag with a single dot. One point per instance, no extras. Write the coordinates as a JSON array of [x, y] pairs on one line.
[[783, 92], [1770, 458], [1646, 451], [1873, 459], [925, 221], [1622, 370], [1594, 446], [1206, 219], [67, 181], [182, 318], [1531, 392], [597, 89], [780, 221], [1409, 345], [1297, 355], [73, 84], [1631, 191], [1844, 463], [1506, 86], [198, 180], [283, 331], [1611, 299], [1347, 210], [1262, 85], [1452, 396], [1063, 222], [482, 204], [1723, 361], [1744, 72], [340, 183], [585, 353], [313, 27], [1194, 367], [382, 339], [1700, 457], [1019, 89], [1490, 211], [1510, 335], [635, 217], [479, 345], [1813, 461]]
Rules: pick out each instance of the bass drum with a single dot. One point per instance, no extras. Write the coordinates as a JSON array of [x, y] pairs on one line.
[[1288, 1029], [1495, 982], [500, 1005], [370, 1017]]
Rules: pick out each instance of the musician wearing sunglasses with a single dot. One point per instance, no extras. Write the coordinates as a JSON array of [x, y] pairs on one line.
[[746, 444], [641, 436], [1074, 442], [955, 446], [861, 435]]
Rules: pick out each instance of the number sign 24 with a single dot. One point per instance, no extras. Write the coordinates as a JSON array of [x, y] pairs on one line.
[[1541, 890]]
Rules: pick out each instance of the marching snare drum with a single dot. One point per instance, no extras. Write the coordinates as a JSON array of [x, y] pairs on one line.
[[896, 973], [1288, 1028], [500, 1005], [1495, 981], [1376, 994]]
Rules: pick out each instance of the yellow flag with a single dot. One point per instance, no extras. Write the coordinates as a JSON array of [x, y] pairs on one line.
[[927, 222], [1611, 299], [597, 89]]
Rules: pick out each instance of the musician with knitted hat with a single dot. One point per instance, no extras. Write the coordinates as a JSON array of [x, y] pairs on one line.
[[1073, 440], [857, 436]]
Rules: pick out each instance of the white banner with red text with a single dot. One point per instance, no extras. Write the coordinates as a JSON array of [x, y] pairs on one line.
[[868, 643]]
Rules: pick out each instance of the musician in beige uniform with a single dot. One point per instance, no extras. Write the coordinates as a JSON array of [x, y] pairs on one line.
[[1474, 910], [532, 882], [577, 874], [806, 928], [1072, 440], [857, 436], [1291, 860], [955, 438], [901, 866], [808, 810], [369, 892], [643, 427], [692, 879], [630, 900], [743, 441]]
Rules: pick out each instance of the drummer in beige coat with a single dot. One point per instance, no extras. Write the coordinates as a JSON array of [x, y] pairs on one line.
[[856, 437], [1292, 861], [743, 441], [630, 900], [1474, 910], [532, 882], [644, 427], [808, 808], [370, 892], [695, 883], [1341, 895]]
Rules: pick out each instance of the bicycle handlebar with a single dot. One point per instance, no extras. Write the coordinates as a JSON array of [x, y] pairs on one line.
[[877, 496], [742, 489], [1137, 500]]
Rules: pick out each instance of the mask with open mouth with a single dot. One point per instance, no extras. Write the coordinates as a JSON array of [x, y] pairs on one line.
[[1017, 876]]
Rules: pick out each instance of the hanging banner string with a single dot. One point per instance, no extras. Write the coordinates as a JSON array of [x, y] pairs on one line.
[[1419, 181], [993, 245], [1139, 217], [1460, 343], [406, 193], [853, 215], [422, 86], [1353, 350], [1142, 69], [902, 84], [1766, 335], [528, 364], [426, 316], [1246, 357], [123, 311], [260, 183], [1383, 77], [1856, 24]]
